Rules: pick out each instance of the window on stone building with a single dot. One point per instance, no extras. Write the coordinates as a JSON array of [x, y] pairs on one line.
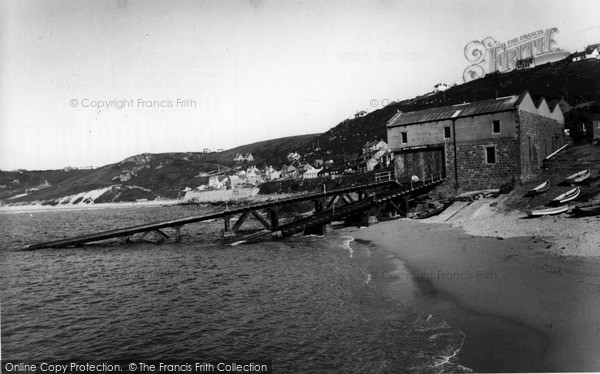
[[447, 132], [496, 126], [490, 155], [404, 137]]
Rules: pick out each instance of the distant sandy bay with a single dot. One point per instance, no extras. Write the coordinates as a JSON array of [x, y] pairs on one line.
[[541, 275], [32, 208]]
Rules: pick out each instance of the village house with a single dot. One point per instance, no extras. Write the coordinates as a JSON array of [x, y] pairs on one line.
[[235, 181], [372, 155], [441, 87], [591, 51], [525, 63], [241, 158], [371, 163], [216, 181], [330, 172], [311, 173], [271, 173], [253, 176], [371, 148], [385, 159], [476, 145], [289, 171], [303, 168], [584, 121], [293, 157]]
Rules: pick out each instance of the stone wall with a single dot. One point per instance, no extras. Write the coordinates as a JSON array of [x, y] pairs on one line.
[[219, 195], [540, 136], [474, 172]]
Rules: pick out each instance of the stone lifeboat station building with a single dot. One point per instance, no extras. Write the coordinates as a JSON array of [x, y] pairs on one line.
[[476, 145]]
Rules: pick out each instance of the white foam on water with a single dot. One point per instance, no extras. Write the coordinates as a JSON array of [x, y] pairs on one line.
[[368, 280], [447, 359], [346, 244]]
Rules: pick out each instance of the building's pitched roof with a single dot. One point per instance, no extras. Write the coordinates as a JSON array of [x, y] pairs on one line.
[[460, 110], [313, 171], [590, 48], [562, 104]]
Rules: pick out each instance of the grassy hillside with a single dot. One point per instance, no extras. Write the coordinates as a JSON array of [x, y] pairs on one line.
[[268, 152], [157, 175]]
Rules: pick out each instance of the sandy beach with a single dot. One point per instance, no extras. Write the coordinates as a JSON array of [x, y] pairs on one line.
[[528, 290]]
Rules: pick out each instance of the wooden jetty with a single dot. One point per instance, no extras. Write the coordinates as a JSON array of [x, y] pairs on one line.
[[368, 199]]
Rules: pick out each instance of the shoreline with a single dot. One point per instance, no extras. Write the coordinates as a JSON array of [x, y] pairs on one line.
[[516, 285], [32, 208], [39, 207]]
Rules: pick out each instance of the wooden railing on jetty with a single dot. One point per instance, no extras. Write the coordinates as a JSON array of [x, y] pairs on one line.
[[329, 205]]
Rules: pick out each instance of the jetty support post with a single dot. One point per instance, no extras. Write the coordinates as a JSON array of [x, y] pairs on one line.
[[405, 205], [369, 217], [177, 232], [227, 230], [274, 217], [318, 205]]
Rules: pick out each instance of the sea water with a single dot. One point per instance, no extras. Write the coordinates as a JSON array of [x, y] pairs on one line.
[[306, 304]]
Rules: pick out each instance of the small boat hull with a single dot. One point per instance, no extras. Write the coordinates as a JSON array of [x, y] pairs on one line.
[[579, 176], [548, 212], [435, 210], [567, 196], [540, 189]]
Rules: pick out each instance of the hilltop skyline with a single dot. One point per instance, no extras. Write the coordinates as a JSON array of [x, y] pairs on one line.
[[184, 76]]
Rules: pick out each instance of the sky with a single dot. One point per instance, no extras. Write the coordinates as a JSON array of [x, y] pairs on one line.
[[89, 83]]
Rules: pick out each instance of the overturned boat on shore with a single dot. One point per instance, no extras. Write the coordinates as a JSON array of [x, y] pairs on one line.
[[539, 189], [578, 177], [433, 210], [548, 211], [570, 195]]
